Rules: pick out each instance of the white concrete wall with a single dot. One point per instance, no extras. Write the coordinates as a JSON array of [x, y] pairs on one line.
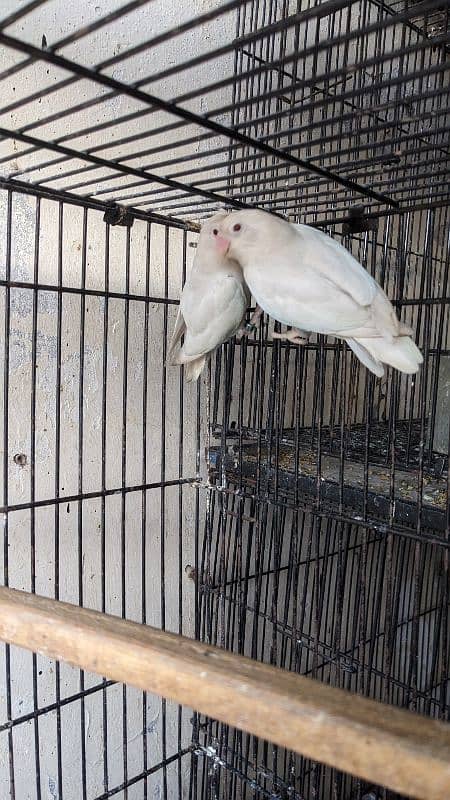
[[55, 20]]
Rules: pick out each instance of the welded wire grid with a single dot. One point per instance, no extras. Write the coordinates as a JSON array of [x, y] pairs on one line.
[[315, 105], [99, 454], [326, 544], [319, 540]]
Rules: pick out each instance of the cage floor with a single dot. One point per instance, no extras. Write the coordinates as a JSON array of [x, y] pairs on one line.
[[354, 443], [407, 444], [399, 498]]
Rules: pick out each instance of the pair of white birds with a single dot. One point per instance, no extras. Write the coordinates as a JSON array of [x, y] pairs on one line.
[[299, 276]]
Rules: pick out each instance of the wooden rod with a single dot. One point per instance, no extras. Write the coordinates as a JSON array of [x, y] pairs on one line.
[[382, 744]]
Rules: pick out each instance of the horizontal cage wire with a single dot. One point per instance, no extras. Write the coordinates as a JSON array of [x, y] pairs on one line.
[[289, 507], [99, 528], [306, 107]]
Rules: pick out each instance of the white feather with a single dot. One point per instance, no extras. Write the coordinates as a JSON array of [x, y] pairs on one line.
[[212, 306], [305, 279], [365, 357]]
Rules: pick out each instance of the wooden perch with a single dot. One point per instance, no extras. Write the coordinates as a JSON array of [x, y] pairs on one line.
[[382, 744]]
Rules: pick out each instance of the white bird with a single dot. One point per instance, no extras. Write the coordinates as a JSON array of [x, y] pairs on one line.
[[212, 305], [304, 278]]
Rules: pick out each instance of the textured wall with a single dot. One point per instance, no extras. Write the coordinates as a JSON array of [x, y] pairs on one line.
[[76, 528]]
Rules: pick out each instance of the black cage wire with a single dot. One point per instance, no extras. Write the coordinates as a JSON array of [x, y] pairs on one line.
[[290, 507]]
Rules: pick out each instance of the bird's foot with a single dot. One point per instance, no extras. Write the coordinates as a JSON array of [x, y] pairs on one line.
[[250, 326], [293, 335], [255, 317], [245, 330]]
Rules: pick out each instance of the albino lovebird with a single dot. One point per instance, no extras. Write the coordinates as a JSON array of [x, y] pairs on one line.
[[212, 305], [304, 278]]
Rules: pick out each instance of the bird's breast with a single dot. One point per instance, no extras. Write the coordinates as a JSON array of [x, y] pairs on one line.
[[302, 298]]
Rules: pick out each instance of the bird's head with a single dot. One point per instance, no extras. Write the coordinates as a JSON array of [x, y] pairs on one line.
[[212, 253], [242, 233]]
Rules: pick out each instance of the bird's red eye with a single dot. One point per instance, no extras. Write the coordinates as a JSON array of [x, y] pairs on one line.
[[215, 231], [236, 227]]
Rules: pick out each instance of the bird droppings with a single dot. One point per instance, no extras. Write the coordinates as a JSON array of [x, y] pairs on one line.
[[20, 459]]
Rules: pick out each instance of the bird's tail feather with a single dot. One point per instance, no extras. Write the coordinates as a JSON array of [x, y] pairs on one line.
[[193, 369], [364, 356], [180, 328], [400, 352]]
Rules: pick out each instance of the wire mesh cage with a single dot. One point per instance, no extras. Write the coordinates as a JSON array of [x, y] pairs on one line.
[[290, 506]]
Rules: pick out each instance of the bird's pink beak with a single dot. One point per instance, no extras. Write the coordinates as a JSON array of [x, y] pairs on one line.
[[222, 244]]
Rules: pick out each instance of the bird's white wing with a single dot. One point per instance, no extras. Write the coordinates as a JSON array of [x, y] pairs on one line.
[[336, 264], [211, 315], [293, 289], [180, 328]]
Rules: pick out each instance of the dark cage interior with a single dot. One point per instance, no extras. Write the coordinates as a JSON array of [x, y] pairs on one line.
[[290, 507]]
